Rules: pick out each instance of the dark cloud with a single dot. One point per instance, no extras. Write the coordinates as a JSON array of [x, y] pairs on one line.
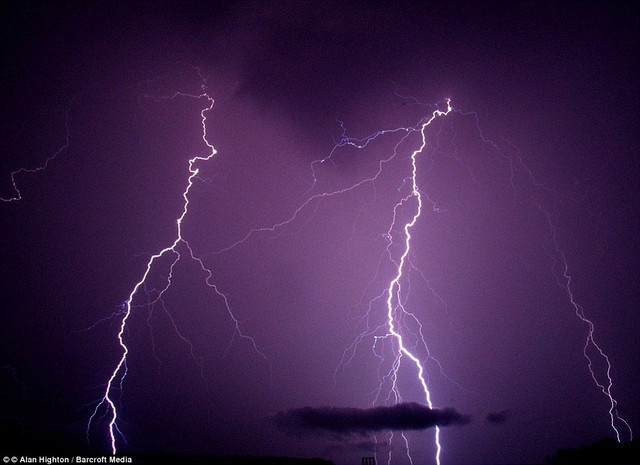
[[346, 421], [497, 418]]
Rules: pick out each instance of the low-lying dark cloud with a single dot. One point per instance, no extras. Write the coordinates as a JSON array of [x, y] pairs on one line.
[[347, 421], [497, 417]]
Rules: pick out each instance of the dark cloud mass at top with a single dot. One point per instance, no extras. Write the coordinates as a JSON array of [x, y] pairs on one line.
[[348, 420]]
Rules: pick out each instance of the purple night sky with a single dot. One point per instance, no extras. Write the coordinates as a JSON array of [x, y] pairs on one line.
[[537, 163]]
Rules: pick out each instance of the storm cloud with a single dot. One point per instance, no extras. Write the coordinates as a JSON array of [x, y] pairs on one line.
[[497, 418], [348, 420]]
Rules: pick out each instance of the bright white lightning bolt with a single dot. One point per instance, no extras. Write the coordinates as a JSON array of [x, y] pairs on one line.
[[393, 329], [395, 307], [120, 371], [393, 290], [394, 303]]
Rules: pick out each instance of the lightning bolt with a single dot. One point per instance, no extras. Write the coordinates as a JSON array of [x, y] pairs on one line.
[[106, 406], [395, 310], [395, 329], [590, 345], [394, 302], [563, 277], [17, 195]]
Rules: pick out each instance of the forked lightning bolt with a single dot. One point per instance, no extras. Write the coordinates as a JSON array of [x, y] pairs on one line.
[[395, 310], [393, 292], [394, 302], [407, 212], [119, 373]]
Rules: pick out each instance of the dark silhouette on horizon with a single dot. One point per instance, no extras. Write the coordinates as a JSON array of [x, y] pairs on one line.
[[607, 451]]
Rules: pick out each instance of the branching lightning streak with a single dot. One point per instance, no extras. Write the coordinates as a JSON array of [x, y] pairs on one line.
[[394, 302], [14, 183], [394, 305], [120, 371], [324, 195], [398, 236], [564, 281]]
